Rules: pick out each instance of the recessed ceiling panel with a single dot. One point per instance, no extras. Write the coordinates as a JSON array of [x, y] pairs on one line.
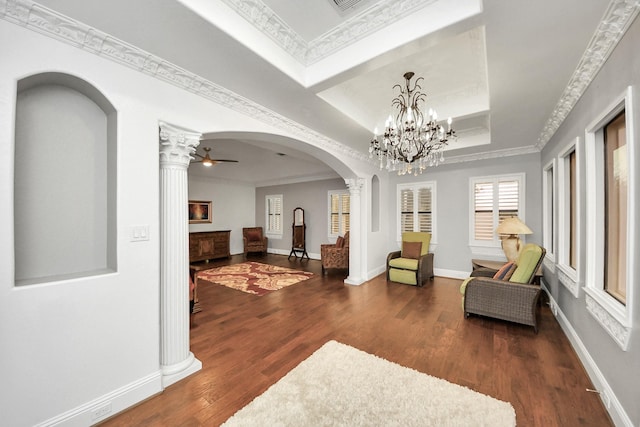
[[455, 81]]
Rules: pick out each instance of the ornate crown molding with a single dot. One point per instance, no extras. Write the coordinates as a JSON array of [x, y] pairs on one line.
[[618, 331], [615, 22], [496, 154], [38, 18], [348, 32], [569, 283], [370, 20]]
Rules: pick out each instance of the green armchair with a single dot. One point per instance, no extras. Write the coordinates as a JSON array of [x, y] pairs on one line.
[[509, 294], [413, 265]]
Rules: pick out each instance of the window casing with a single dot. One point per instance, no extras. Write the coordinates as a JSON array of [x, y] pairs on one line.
[[339, 207], [492, 199], [611, 207], [569, 243], [273, 216], [548, 211], [416, 208]]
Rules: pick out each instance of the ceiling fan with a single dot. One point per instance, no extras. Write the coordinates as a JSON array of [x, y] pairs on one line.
[[207, 161]]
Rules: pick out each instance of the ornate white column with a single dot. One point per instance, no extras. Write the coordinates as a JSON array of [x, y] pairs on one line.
[[176, 147], [355, 232]]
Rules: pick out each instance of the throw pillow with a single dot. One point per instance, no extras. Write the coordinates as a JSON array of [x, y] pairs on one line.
[[411, 250], [340, 242], [505, 271]]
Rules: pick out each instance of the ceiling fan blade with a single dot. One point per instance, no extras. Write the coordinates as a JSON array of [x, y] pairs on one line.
[[222, 160]]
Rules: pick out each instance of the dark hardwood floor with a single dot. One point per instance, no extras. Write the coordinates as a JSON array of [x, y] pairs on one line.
[[246, 343]]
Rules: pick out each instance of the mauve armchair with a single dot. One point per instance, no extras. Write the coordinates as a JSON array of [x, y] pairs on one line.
[[336, 255], [254, 240]]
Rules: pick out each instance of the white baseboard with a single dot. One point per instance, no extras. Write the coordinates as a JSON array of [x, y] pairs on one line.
[[454, 274], [609, 399], [110, 404], [288, 251], [376, 272]]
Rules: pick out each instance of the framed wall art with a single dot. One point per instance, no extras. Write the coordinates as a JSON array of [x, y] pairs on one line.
[[200, 212]]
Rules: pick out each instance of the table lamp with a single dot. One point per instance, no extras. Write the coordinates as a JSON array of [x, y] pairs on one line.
[[509, 230]]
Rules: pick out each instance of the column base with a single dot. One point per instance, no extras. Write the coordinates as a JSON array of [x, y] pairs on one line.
[[173, 373], [354, 281]]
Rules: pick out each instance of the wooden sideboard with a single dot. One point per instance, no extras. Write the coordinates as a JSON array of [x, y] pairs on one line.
[[205, 245]]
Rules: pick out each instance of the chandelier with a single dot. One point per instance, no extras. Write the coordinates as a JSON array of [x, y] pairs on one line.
[[411, 142]]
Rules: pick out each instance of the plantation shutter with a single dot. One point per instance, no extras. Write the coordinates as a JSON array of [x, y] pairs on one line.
[[508, 199], [483, 208], [335, 214], [340, 207], [345, 200], [274, 206], [424, 210], [406, 210]]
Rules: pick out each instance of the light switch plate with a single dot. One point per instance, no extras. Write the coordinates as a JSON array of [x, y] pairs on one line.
[[139, 233]]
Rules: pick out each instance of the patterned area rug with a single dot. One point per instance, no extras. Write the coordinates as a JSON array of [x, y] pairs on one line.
[[254, 277]]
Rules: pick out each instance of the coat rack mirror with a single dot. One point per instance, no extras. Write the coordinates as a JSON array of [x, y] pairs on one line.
[[299, 231]]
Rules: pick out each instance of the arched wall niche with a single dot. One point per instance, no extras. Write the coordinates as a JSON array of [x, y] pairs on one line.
[[64, 180]]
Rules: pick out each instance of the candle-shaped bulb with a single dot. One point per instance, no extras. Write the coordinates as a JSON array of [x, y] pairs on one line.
[[449, 121]]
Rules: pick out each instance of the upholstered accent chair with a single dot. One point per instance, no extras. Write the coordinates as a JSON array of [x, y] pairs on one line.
[[412, 265], [335, 255], [254, 240], [510, 294]]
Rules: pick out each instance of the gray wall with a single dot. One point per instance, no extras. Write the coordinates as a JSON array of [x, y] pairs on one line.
[[620, 369], [452, 189], [312, 197]]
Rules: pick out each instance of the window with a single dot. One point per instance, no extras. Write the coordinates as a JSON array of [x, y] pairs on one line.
[[416, 207], [548, 210], [273, 210], [494, 198], [611, 234], [338, 213], [569, 202], [615, 213]]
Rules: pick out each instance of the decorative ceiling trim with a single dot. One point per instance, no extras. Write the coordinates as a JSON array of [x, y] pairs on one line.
[[370, 20], [615, 22], [496, 154], [43, 20]]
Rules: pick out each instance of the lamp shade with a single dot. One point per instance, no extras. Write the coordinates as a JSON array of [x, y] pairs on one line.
[[513, 225]]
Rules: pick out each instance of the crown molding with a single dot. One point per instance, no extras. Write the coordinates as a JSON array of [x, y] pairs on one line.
[[370, 20], [496, 154], [43, 20], [614, 24]]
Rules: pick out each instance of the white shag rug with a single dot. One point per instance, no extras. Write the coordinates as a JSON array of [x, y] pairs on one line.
[[339, 385]]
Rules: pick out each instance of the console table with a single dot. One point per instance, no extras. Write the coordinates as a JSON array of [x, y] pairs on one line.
[[206, 245]]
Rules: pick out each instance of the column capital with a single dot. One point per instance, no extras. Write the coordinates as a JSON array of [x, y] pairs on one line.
[[177, 145], [354, 184]]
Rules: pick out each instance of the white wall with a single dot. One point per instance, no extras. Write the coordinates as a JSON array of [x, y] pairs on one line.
[[71, 346], [233, 206]]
